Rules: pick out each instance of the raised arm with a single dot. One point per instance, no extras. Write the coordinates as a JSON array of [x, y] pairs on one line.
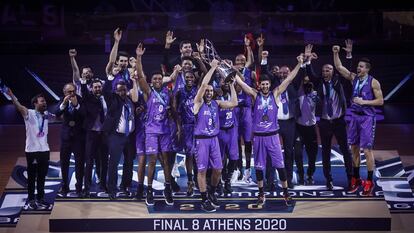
[[114, 51], [260, 43], [233, 98], [250, 56], [379, 99], [75, 68], [134, 91], [282, 87], [22, 109], [173, 76], [338, 64], [246, 88], [169, 39], [197, 59], [140, 72], [198, 100]]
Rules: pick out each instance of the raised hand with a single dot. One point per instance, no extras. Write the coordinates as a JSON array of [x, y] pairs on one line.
[[169, 38], [308, 51], [246, 41], [348, 48], [117, 34], [260, 40], [196, 55], [72, 53], [140, 50], [214, 63], [300, 58], [336, 48], [348, 44], [265, 54], [177, 68], [200, 46]]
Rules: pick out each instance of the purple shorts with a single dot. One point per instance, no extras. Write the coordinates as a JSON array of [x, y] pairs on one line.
[[228, 143], [156, 143], [245, 122], [361, 131], [188, 139], [264, 146], [207, 154], [140, 142]]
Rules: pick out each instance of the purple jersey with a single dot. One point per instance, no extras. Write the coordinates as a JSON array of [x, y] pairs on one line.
[[227, 116], [207, 120], [179, 83], [244, 100], [185, 106], [122, 76], [157, 116], [364, 90], [265, 114]]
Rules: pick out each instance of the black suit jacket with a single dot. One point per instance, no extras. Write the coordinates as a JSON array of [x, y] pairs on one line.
[[68, 129], [91, 107], [115, 105], [292, 89], [338, 86]]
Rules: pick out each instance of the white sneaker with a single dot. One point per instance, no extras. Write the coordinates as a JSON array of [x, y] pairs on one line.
[[235, 176], [175, 172], [247, 176]]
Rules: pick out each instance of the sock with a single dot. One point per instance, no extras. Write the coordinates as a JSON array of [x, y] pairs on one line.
[[356, 172], [190, 177], [261, 190], [212, 189], [285, 190], [370, 174], [203, 196]]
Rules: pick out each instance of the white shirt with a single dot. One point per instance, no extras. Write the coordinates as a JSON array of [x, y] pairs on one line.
[[280, 114], [32, 121], [122, 122]]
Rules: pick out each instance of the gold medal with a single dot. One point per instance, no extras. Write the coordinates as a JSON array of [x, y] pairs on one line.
[[72, 123], [265, 118]]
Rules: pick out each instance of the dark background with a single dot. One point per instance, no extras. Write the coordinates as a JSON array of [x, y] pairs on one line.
[[37, 36]]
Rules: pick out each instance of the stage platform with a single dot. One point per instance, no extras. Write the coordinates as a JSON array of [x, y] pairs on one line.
[[315, 208], [134, 216]]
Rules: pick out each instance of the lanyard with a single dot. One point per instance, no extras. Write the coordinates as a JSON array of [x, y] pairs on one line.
[[40, 121], [265, 104], [359, 86], [159, 97]]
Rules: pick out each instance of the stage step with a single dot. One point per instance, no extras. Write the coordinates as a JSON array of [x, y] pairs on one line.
[[321, 215]]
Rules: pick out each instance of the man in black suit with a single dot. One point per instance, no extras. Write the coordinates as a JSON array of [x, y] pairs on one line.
[[119, 126], [331, 109], [94, 109], [72, 138]]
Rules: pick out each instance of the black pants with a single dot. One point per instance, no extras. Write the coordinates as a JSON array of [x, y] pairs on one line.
[[119, 144], [74, 144], [306, 136], [96, 150], [327, 129], [287, 132], [37, 167]]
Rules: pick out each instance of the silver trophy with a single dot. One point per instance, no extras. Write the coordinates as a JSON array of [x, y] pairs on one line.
[[3, 87], [210, 54]]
